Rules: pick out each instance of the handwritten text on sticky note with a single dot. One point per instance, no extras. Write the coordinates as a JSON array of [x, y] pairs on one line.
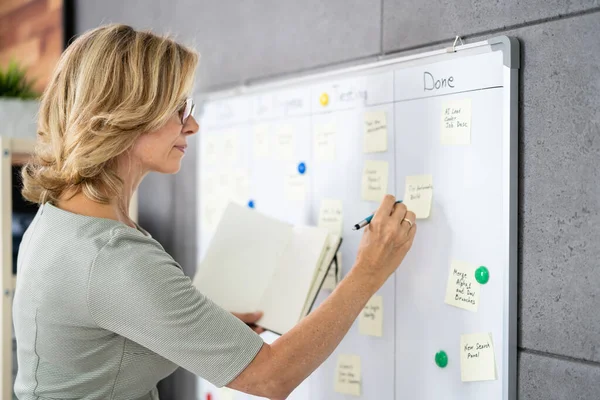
[[294, 187], [211, 146], [374, 180], [371, 318], [210, 202], [324, 142], [456, 122], [285, 145], [477, 359], [231, 147], [261, 141], [462, 289], [418, 194], [347, 375], [331, 216], [375, 134]]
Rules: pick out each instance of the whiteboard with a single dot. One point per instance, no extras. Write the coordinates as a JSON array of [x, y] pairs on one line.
[[254, 137]]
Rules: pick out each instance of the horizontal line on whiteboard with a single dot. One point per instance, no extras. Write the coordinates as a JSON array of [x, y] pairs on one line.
[[312, 114], [448, 94]]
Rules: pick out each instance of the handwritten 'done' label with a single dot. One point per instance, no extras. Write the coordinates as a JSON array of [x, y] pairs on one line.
[[418, 194], [462, 290], [374, 180], [348, 375], [456, 122], [324, 142], [375, 132], [477, 358], [371, 318]]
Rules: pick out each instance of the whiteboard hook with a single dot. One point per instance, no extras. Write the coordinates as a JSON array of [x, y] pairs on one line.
[[453, 48], [456, 40]]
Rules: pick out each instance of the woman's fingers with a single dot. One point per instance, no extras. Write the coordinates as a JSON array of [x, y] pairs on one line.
[[249, 318], [408, 222], [385, 208]]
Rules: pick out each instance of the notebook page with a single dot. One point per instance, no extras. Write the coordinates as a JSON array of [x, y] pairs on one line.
[[284, 299], [241, 258], [326, 261]]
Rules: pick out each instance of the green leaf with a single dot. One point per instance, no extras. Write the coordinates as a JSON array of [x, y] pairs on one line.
[[14, 82]]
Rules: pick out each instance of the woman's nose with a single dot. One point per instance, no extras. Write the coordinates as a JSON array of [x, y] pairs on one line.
[[191, 126]]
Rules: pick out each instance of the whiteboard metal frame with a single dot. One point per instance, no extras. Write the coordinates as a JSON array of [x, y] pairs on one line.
[[510, 47]]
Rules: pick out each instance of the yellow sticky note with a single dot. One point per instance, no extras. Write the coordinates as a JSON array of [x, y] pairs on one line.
[[285, 144], [231, 147], [324, 142], [295, 187], [210, 214], [375, 134], [331, 216], [347, 375], [213, 202], [210, 149], [240, 186], [261, 141], [418, 194], [374, 180], [477, 358], [462, 289], [370, 322], [456, 122], [225, 394]]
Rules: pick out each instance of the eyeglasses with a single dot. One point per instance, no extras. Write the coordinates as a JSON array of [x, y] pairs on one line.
[[187, 110]]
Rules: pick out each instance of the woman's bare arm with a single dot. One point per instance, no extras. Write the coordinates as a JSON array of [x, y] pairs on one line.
[[279, 368]]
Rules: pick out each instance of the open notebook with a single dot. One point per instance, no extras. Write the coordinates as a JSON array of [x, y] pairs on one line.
[[257, 263]]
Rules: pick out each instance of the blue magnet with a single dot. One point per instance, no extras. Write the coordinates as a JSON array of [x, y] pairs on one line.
[[251, 203], [302, 168]]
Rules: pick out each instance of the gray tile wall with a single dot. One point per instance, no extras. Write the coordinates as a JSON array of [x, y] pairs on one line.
[[559, 250]]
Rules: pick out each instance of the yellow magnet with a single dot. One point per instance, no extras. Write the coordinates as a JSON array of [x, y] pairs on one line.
[[324, 99]]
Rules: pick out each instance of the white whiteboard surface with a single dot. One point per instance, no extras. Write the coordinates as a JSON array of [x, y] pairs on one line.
[[473, 215]]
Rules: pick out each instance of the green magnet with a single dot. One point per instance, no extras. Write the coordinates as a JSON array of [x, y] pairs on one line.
[[441, 359], [482, 275]]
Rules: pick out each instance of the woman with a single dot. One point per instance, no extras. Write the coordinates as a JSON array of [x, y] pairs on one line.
[[101, 311]]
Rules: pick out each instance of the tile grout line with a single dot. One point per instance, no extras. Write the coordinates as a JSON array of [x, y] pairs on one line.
[[381, 27], [346, 62], [559, 357], [500, 29]]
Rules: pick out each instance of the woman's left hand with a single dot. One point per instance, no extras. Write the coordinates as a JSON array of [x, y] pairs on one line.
[[250, 320]]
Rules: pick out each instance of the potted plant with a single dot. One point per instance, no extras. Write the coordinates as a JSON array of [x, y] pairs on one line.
[[19, 103]]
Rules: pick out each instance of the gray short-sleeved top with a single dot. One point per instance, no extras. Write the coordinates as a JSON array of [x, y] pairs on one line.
[[101, 311]]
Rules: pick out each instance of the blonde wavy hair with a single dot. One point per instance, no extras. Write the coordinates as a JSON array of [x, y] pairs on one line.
[[111, 85]]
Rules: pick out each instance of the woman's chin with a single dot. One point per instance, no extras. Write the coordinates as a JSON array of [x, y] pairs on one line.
[[168, 168]]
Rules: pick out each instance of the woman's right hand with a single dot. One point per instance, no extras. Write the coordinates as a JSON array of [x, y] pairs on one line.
[[387, 239]]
